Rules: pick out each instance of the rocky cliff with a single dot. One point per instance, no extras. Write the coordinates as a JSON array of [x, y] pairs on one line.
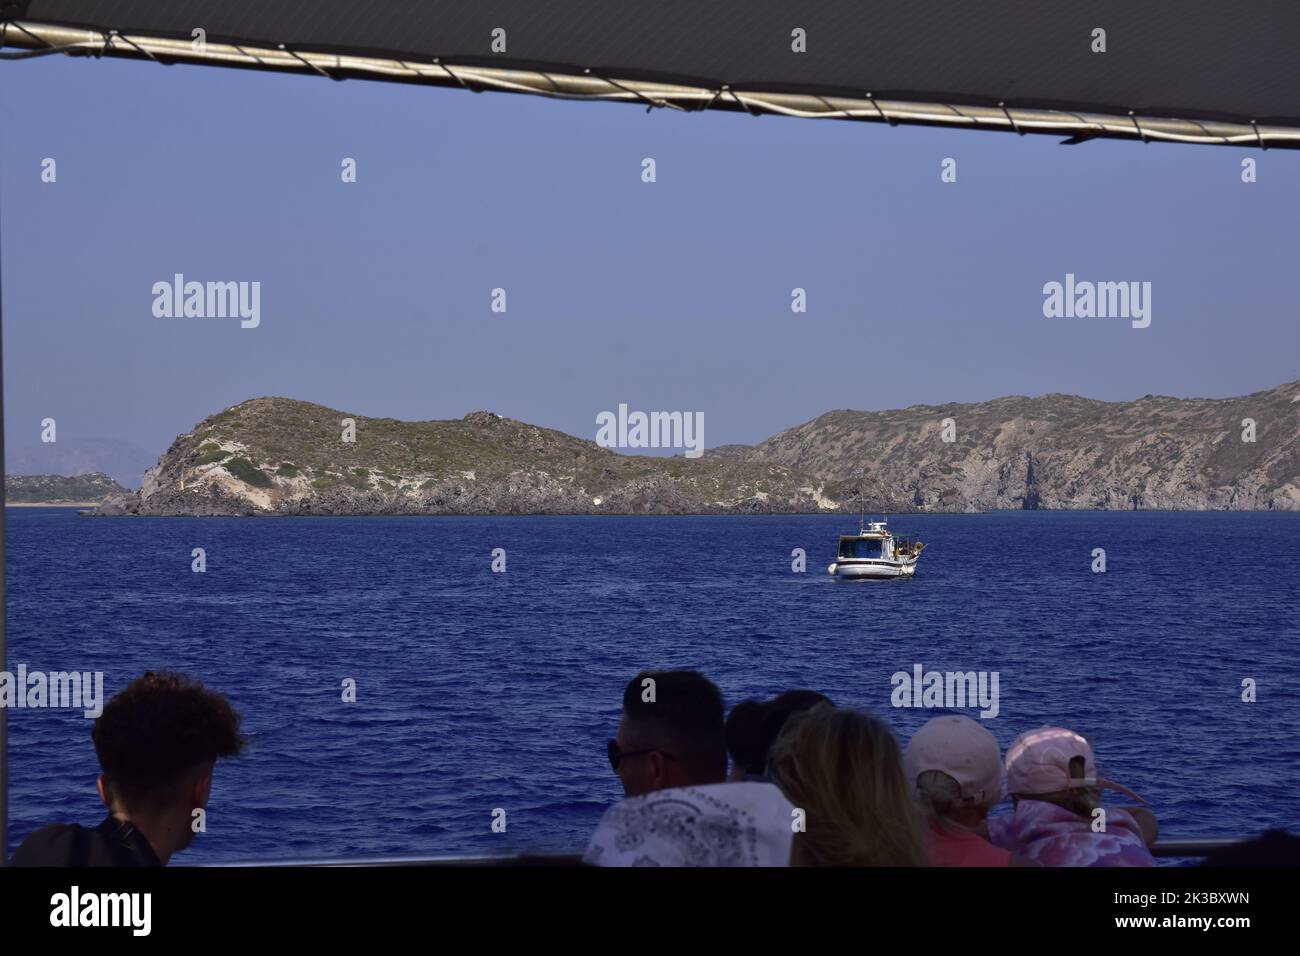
[[281, 456], [1058, 451]]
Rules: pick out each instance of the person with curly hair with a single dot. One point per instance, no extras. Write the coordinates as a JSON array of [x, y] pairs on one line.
[[157, 741]]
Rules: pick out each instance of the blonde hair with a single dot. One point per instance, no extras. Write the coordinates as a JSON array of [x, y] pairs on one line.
[[843, 768], [938, 797]]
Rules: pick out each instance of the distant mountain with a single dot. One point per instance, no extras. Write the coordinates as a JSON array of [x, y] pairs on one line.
[[121, 460], [58, 489], [281, 456], [1058, 452]]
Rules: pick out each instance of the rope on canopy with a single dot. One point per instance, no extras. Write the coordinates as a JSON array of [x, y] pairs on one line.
[[586, 84]]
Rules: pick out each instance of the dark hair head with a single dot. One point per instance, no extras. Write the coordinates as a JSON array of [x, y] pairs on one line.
[[156, 730], [752, 726], [684, 719]]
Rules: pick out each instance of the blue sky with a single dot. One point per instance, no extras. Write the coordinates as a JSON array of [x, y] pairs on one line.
[[666, 296]]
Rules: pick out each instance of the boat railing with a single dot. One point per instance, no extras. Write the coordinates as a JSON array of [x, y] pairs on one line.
[[1164, 848]]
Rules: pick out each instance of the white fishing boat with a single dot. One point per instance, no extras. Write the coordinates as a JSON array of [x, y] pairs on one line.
[[876, 552]]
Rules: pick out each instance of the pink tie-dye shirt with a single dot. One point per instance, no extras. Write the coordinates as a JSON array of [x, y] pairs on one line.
[[1054, 836]]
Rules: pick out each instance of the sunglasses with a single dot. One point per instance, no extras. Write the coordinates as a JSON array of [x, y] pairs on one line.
[[616, 755]]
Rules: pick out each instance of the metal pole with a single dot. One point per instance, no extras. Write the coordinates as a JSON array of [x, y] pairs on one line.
[[4, 657]]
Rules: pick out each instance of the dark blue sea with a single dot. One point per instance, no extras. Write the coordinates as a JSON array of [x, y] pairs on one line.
[[479, 690]]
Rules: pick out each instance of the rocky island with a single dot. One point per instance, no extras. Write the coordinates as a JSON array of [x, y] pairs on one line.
[[279, 456], [88, 489]]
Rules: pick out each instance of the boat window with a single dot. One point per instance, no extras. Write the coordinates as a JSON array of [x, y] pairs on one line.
[[859, 549]]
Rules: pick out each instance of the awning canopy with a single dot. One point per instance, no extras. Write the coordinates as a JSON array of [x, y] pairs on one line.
[[1196, 70]]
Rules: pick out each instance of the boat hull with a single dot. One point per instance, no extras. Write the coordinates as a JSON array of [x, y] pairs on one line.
[[872, 570]]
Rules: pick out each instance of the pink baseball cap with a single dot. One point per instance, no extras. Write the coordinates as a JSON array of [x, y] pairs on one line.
[[961, 748], [1038, 762]]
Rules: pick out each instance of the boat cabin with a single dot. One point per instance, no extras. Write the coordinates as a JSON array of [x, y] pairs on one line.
[[879, 547], [876, 543]]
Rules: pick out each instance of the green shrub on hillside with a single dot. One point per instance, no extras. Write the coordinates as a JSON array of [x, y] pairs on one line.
[[208, 457], [246, 471]]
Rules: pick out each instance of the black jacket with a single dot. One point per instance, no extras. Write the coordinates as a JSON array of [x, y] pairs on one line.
[[112, 843]]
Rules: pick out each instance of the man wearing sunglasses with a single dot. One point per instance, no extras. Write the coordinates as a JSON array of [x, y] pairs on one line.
[[671, 734]]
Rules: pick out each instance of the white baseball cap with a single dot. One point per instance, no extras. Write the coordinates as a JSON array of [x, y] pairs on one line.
[[961, 748]]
